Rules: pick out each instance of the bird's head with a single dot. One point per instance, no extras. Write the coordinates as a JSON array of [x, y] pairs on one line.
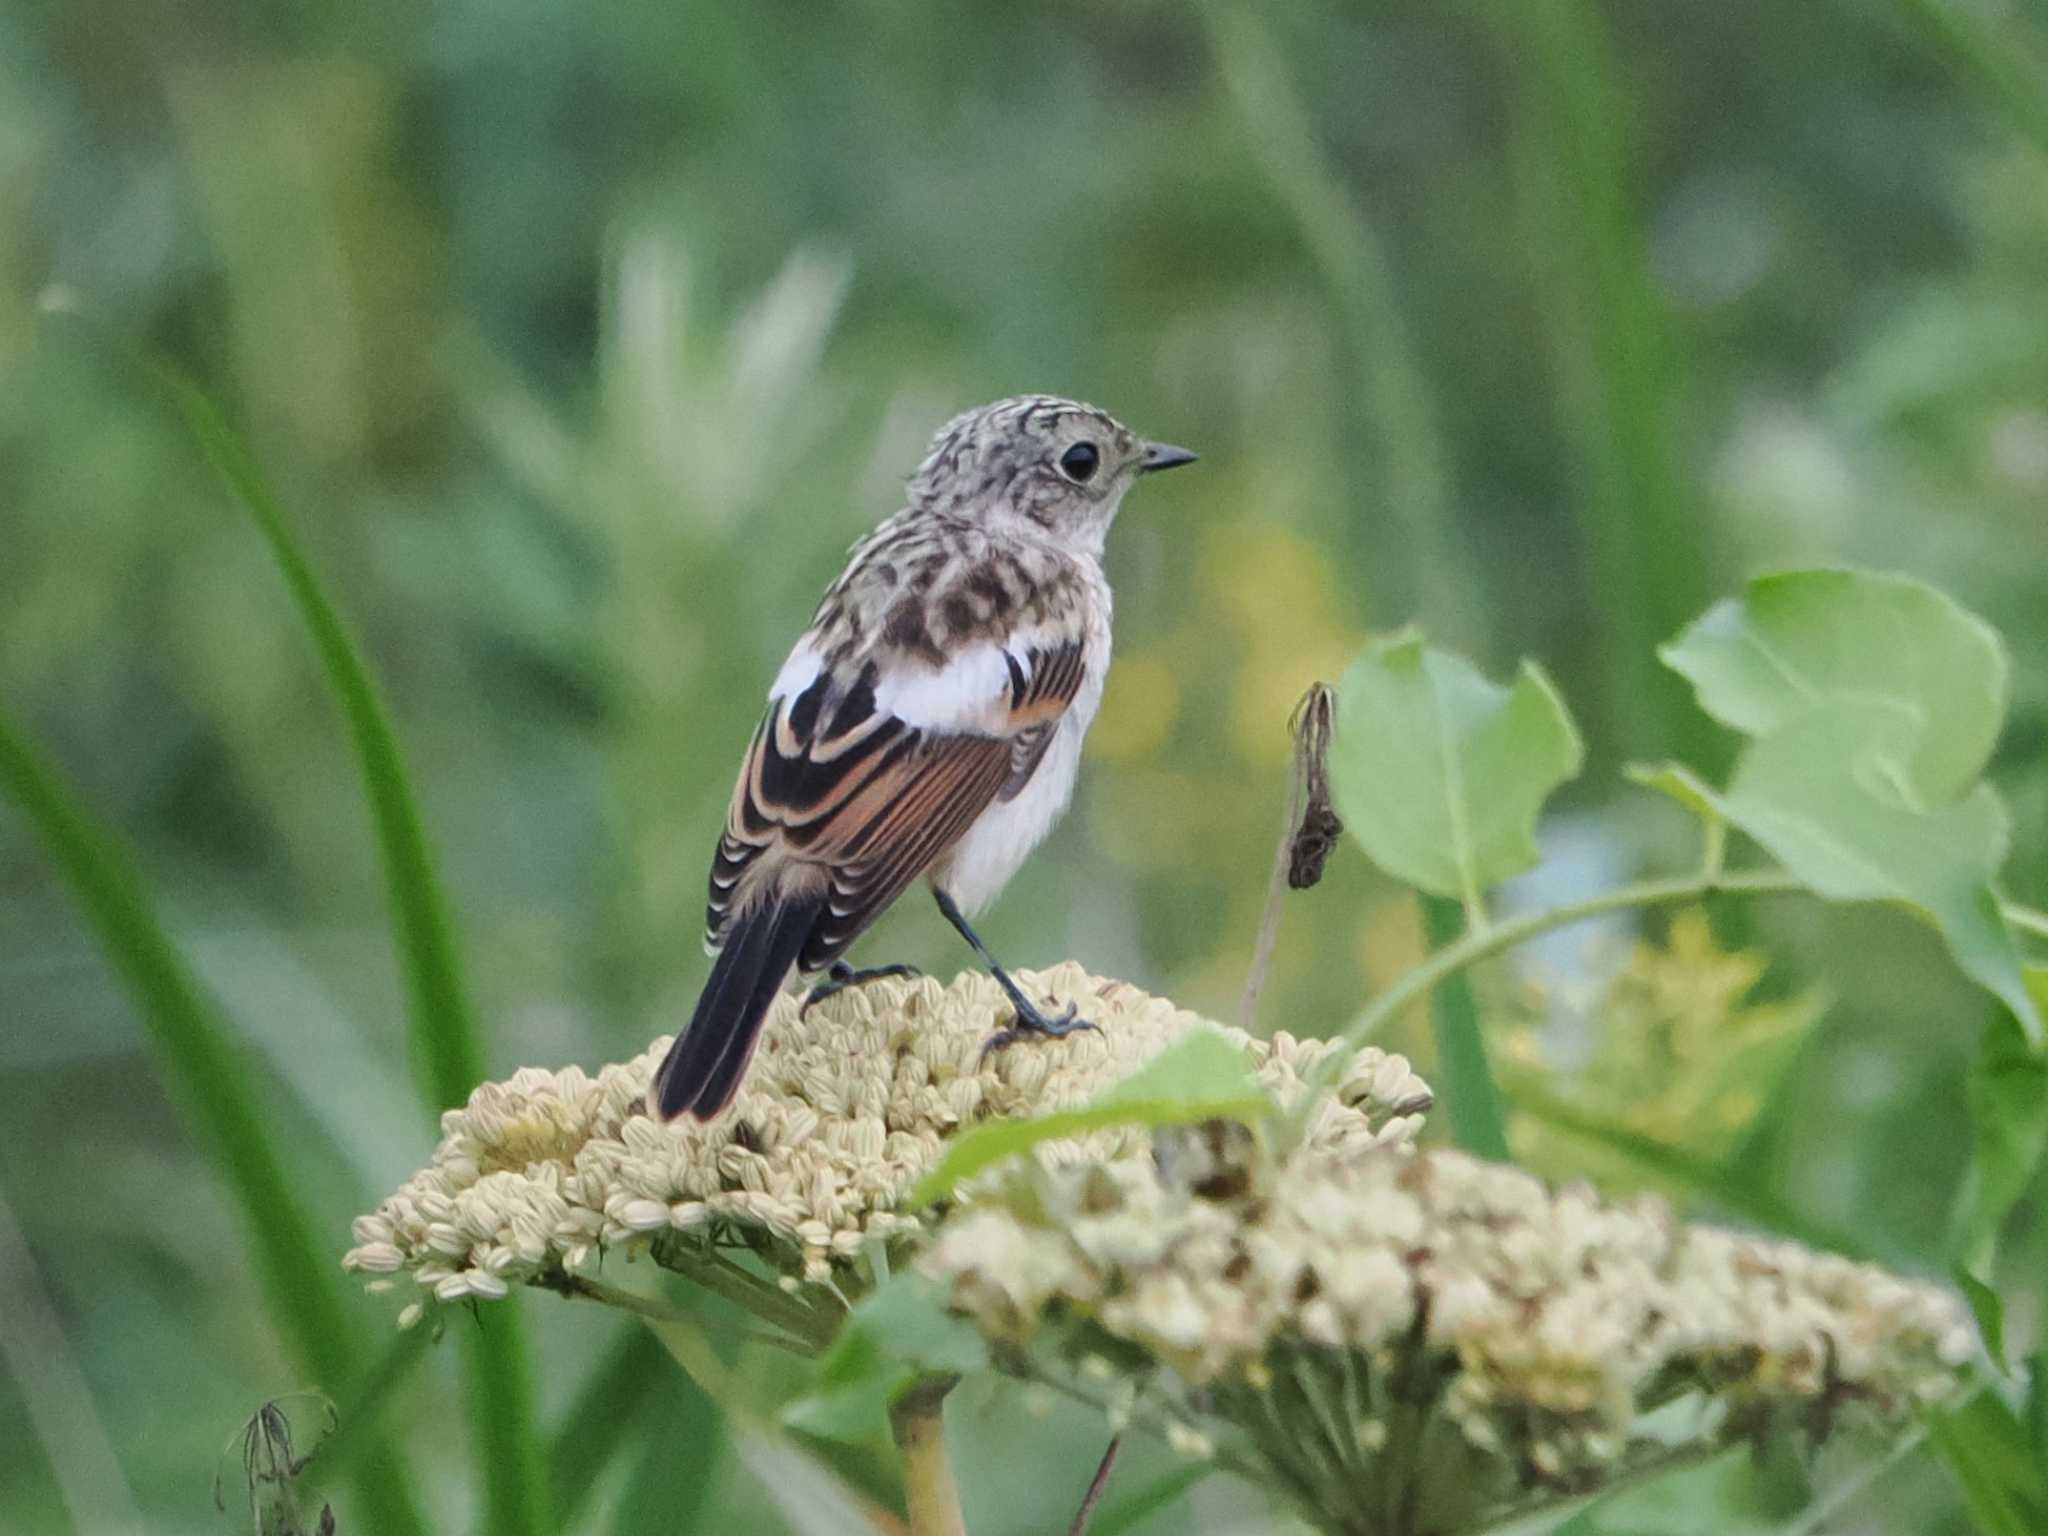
[[1037, 464]]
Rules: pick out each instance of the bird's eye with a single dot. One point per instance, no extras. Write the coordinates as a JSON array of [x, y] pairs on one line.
[[1079, 462]]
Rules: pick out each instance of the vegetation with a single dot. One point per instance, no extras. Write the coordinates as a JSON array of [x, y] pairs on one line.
[[421, 432]]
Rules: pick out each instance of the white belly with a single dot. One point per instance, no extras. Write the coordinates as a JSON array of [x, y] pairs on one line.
[[1002, 837]]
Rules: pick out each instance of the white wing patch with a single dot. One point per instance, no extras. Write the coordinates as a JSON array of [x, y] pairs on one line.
[[970, 693], [798, 673]]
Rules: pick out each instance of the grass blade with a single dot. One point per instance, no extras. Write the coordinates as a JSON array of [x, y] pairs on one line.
[[1396, 399], [445, 1037], [501, 1408], [682, 1444], [1471, 1096], [356, 1415], [1993, 68], [1986, 1450], [618, 1392], [207, 1072], [1616, 365]]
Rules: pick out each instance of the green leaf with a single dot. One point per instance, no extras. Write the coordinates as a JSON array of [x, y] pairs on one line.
[[210, 1075], [1202, 1077], [1801, 640], [1439, 773], [1988, 1308], [1987, 1450], [2008, 1090], [897, 1336], [1818, 795], [1875, 702]]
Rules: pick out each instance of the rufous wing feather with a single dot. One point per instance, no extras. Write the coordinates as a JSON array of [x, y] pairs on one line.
[[841, 794]]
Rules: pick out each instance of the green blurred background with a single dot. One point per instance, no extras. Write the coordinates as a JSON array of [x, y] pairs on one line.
[[581, 344]]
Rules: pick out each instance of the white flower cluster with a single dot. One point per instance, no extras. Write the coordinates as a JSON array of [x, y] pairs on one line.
[[1323, 1305], [844, 1109]]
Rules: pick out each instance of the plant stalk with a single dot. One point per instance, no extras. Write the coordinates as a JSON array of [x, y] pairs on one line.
[[1096, 1487], [917, 1420], [1485, 943]]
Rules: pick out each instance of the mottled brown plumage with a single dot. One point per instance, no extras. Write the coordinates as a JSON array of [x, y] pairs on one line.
[[929, 721]]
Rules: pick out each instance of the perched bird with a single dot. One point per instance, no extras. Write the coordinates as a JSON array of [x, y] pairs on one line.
[[929, 722]]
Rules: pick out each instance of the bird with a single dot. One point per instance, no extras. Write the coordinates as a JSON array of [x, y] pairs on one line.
[[927, 723]]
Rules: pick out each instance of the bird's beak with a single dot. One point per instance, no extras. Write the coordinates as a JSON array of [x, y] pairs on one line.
[[1163, 456]]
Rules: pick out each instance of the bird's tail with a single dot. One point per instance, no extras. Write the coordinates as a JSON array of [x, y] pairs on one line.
[[704, 1066]]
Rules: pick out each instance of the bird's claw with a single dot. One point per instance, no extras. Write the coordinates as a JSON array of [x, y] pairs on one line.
[[841, 976], [1034, 1025]]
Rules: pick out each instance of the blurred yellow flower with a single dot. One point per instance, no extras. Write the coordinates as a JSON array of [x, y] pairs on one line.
[[1139, 710]]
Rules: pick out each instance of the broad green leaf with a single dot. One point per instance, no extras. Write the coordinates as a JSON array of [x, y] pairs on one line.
[[1817, 794], [1798, 641], [893, 1338], [1988, 1451], [1439, 773], [1203, 1077]]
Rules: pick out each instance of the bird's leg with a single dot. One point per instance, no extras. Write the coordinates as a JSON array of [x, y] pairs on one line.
[[1031, 1021], [841, 976]]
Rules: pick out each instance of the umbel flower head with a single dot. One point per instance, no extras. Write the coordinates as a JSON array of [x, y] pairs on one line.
[[845, 1108], [1425, 1342]]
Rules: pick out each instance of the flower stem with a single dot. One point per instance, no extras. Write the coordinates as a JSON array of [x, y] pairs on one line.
[[1096, 1485], [1485, 943], [2026, 919], [917, 1420], [748, 1291], [660, 1313]]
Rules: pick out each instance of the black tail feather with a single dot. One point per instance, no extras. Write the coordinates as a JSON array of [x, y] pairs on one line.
[[705, 1065]]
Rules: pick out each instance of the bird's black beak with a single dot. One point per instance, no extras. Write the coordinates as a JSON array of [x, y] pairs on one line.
[[1163, 456]]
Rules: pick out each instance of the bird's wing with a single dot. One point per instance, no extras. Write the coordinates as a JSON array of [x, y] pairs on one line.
[[865, 771]]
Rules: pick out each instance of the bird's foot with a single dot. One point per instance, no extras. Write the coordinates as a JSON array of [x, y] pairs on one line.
[[842, 976], [1032, 1024]]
